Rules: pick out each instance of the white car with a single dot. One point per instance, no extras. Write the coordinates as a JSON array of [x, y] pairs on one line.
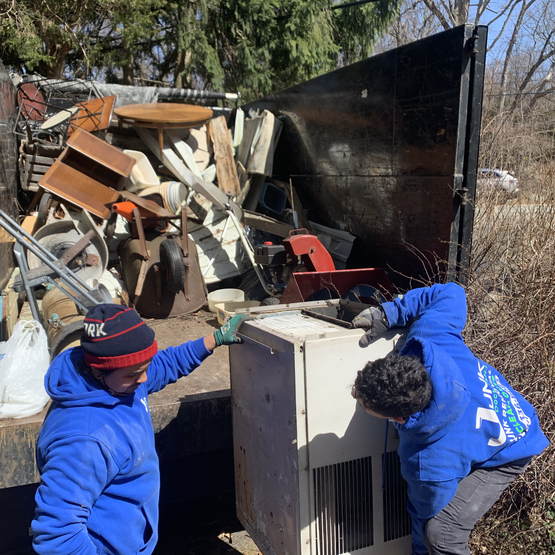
[[498, 180]]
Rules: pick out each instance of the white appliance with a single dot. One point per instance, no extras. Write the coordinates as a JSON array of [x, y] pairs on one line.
[[309, 462]]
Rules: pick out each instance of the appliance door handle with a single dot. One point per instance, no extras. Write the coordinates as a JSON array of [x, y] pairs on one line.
[[248, 339]]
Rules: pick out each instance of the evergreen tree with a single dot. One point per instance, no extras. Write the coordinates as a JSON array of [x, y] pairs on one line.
[[250, 46]]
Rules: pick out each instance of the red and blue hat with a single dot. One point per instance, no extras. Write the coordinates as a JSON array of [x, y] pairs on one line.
[[116, 337]]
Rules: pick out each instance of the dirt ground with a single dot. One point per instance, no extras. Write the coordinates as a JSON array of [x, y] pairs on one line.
[[174, 331]]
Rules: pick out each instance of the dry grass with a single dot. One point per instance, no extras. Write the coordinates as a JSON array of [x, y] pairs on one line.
[[511, 325]]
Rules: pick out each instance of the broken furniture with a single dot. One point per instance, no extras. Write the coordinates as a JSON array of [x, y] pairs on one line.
[[58, 118], [179, 169], [93, 115], [163, 116], [88, 173], [35, 159]]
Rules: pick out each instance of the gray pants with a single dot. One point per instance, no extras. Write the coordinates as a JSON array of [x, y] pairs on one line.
[[447, 533]]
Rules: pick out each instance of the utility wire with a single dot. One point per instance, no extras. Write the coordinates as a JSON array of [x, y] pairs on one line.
[[519, 94], [335, 7]]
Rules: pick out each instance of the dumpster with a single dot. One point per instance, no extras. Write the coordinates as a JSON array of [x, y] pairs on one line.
[[385, 150]]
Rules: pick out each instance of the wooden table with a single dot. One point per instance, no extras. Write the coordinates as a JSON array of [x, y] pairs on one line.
[[163, 116]]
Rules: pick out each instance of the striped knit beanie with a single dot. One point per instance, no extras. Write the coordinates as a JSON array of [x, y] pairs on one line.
[[116, 337]]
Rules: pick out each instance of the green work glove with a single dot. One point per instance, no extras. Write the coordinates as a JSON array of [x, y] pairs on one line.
[[227, 334], [374, 321]]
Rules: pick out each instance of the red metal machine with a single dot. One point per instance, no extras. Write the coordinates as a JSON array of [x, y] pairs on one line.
[[319, 276]]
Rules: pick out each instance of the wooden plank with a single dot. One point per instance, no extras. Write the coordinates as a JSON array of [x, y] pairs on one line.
[[10, 308], [78, 188], [262, 158], [29, 224], [226, 171], [36, 168], [34, 159], [295, 202], [147, 204]]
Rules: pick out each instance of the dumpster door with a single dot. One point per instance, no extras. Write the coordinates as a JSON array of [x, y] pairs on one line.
[[387, 149]]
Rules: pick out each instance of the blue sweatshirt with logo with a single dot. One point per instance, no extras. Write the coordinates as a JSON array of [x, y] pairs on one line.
[[99, 470], [474, 419]]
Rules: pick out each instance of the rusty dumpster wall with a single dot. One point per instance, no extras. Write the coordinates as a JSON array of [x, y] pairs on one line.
[[8, 169]]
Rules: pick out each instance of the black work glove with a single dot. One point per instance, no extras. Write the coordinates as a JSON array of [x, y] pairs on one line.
[[227, 334], [374, 321]]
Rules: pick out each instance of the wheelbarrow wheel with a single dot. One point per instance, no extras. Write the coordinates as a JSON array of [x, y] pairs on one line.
[[171, 263]]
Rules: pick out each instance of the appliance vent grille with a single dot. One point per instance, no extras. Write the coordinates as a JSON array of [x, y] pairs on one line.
[[343, 506], [396, 518]]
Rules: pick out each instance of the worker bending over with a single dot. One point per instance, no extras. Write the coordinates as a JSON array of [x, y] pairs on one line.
[[465, 433]]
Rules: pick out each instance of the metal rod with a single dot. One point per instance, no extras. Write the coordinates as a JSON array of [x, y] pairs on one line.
[[47, 257], [19, 254]]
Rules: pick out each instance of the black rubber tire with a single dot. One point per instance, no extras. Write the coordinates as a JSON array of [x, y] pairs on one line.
[[171, 263], [44, 206], [269, 301]]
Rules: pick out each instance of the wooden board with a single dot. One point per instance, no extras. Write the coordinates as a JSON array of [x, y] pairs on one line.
[[32, 169], [101, 153], [228, 180], [79, 189], [265, 223], [94, 115]]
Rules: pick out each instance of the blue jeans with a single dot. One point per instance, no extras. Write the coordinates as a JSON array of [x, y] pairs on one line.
[[447, 533]]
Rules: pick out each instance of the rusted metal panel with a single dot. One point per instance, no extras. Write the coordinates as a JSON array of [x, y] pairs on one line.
[[8, 168]]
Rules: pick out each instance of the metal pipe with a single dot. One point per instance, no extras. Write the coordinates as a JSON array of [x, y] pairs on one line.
[[250, 253], [19, 254], [36, 248], [100, 89]]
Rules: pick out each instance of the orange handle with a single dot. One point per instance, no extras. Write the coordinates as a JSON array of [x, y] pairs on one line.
[[125, 209]]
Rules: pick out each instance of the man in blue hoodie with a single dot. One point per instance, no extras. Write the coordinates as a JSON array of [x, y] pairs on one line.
[[99, 470], [465, 434]]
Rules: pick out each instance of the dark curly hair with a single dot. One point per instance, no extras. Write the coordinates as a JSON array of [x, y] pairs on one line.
[[394, 386]]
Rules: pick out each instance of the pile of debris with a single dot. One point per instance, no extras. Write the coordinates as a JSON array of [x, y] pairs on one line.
[[152, 204]]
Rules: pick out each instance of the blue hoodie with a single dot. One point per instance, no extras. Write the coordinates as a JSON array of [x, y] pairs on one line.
[[99, 470], [474, 418]]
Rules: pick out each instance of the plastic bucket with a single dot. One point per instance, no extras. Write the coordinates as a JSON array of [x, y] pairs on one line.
[[142, 173], [224, 296], [174, 195]]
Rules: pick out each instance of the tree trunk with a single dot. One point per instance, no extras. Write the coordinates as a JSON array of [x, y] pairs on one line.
[[127, 67], [509, 54]]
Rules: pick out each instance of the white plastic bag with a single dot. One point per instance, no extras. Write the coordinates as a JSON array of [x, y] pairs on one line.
[[24, 360]]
